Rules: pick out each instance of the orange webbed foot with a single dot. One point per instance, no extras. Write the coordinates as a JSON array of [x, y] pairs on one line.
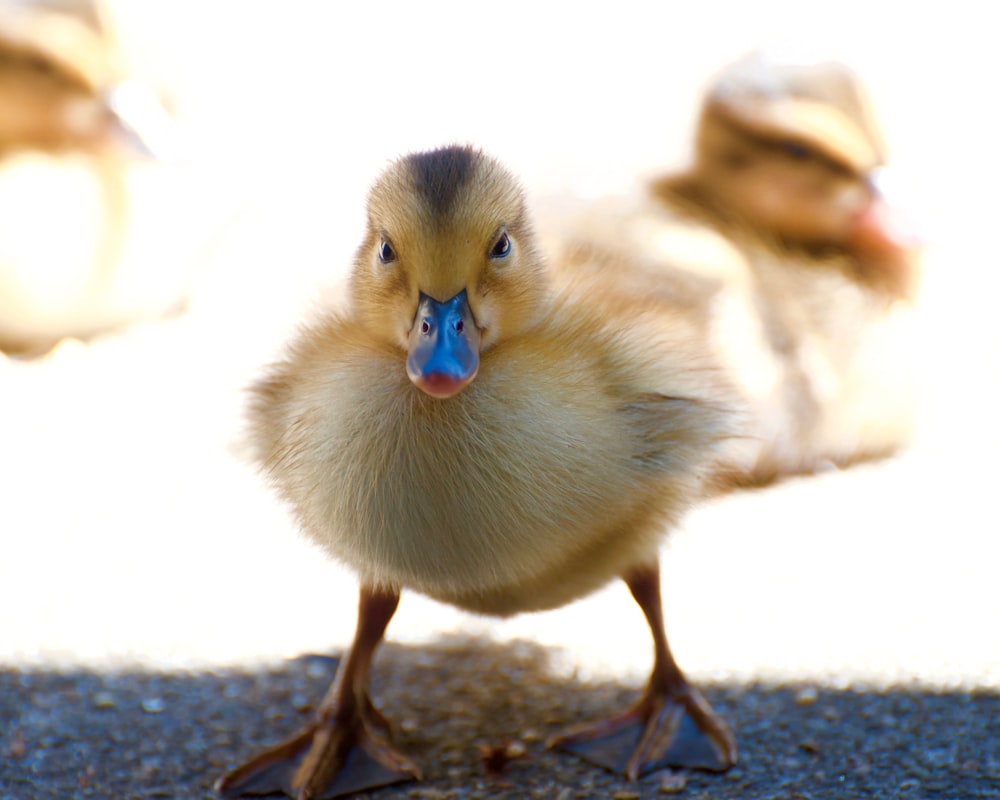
[[332, 757], [671, 725], [346, 748], [676, 729]]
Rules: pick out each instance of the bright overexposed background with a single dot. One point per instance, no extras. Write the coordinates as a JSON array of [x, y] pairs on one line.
[[130, 526]]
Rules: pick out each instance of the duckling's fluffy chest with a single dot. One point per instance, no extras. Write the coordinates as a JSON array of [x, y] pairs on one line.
[[522, 492]]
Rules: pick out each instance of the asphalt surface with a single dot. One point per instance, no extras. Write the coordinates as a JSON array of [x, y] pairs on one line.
[[149, 734]]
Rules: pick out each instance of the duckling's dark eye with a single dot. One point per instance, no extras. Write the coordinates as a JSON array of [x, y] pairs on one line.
[[385, 252], [797, 151], [502, 246]]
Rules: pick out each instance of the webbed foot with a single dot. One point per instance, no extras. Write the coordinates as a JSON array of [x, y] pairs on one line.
[[661, 730], [330, 758], [346, 748], [671, 725]]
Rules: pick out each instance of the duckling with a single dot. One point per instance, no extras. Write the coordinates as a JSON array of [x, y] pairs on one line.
[[805, 278], [73, 124], [792, 151], [59, 74], [463, 430]]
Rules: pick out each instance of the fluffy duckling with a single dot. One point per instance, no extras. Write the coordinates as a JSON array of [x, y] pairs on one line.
[[792, 151], [60, 81], [779, 234], [463, 431], [73, 126]]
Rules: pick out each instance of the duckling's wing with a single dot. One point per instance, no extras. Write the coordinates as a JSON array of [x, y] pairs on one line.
[[674, 433]]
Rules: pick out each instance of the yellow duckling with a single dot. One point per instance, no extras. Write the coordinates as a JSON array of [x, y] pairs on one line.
[[73, 127], [792, 152], [463, 431], [804, 277], [55, 67]]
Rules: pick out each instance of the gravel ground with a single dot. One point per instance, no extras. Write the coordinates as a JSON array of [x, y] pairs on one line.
[[149, 734]]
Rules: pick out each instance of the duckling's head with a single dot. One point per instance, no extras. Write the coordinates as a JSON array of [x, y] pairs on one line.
[[448, 267], [792, 149], [63, 85]]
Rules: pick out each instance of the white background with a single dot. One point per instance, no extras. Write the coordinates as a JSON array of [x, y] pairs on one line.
[[131, 530]]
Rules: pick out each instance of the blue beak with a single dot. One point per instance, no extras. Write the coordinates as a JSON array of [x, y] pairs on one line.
[[444, 346]]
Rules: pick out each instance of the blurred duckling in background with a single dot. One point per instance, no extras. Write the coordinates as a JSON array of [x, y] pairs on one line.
[[805, 275], [73, 127], [792, 152], [465, 432]]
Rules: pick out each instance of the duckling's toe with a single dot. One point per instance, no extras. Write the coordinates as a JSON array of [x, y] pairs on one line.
[[324, 761], [660, 731]]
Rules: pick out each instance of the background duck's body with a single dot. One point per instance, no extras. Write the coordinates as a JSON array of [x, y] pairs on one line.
[[826, 365], [779, 241]]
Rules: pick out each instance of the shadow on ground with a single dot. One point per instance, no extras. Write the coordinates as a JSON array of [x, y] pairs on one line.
[[149, 734]]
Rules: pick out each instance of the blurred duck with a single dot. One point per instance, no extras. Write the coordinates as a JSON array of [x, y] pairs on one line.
[[805, 276], [73, 125], [461, 430]]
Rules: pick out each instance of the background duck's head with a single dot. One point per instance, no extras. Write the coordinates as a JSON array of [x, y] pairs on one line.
[[448, 266], [64, 84], [792, 149]]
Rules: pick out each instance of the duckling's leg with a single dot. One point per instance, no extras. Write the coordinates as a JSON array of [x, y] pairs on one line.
[[671, 725], [345, 749]]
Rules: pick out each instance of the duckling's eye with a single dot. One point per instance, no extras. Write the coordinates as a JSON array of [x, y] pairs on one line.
[[797, 151], [502, 246], [735, 159], [385, 252]]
